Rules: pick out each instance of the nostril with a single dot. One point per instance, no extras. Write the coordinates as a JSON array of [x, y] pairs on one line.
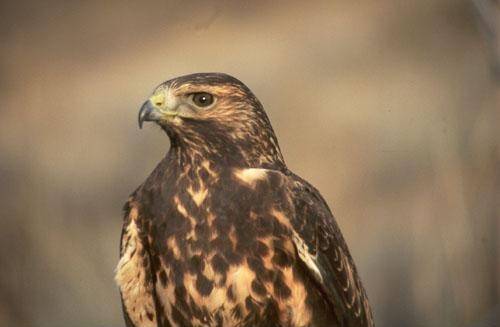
[[158, 104]]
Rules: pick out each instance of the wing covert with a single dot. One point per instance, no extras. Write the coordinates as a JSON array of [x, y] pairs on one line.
[[323, 250]]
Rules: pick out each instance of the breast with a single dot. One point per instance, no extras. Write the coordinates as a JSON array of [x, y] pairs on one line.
[[215, 292], [219, 262], [133, 279], [207, 298]]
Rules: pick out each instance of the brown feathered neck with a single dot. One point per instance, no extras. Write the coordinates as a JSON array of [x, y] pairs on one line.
[[235, 132], [244, 139]]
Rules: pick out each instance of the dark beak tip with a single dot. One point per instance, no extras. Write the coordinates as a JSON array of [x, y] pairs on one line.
[[144, 113]]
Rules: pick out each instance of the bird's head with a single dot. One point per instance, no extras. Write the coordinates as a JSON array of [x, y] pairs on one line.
[[214, 116]]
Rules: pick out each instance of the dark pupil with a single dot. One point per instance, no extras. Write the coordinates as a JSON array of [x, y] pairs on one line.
[[203, 99]]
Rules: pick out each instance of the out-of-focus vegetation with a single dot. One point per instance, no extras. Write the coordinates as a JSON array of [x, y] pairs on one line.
[[388, 107]]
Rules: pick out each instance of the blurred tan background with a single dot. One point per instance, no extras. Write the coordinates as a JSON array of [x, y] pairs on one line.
[[389, 107]]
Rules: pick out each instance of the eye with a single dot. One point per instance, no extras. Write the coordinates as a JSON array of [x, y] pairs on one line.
[[203, 99]]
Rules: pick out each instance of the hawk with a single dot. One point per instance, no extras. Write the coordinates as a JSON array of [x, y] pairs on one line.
[[222, 233]]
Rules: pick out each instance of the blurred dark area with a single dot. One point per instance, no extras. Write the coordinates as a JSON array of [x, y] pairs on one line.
[[390, 108]]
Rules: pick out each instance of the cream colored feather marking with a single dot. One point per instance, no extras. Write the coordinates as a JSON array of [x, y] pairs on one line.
[[131, 278], [166, 295], [281, 218], [239, 278], [296, 307], [250, 176], [206, 164], [198, 196], [306, 256]]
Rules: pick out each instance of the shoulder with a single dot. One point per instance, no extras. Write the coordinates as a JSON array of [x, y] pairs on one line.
[[252, 177], [300, 193]]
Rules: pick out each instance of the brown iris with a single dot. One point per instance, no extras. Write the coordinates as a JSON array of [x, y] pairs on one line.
[[203, 99]]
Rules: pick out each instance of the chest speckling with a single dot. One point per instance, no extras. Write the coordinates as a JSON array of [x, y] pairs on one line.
[[133, 279], [232, 264]]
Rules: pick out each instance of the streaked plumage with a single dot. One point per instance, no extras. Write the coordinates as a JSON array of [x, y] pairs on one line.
[[222, 233]]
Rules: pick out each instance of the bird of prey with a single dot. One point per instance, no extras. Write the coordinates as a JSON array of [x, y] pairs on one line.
[[222, 233]]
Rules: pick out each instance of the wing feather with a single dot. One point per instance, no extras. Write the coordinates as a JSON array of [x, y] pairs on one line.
[[324, 252]]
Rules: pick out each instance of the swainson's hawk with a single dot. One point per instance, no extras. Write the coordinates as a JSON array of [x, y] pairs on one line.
[[222, 233]]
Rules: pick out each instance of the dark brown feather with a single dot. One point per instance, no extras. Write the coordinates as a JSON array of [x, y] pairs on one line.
[[223, 234]]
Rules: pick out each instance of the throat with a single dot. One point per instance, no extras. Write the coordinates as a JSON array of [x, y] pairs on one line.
[[222, 152]]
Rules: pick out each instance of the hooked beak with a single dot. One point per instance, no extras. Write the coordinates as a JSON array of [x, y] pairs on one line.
[[158, 110], [148, 112]]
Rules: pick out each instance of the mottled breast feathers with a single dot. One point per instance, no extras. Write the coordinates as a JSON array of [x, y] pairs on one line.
[[222, 233], [260, 249]]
